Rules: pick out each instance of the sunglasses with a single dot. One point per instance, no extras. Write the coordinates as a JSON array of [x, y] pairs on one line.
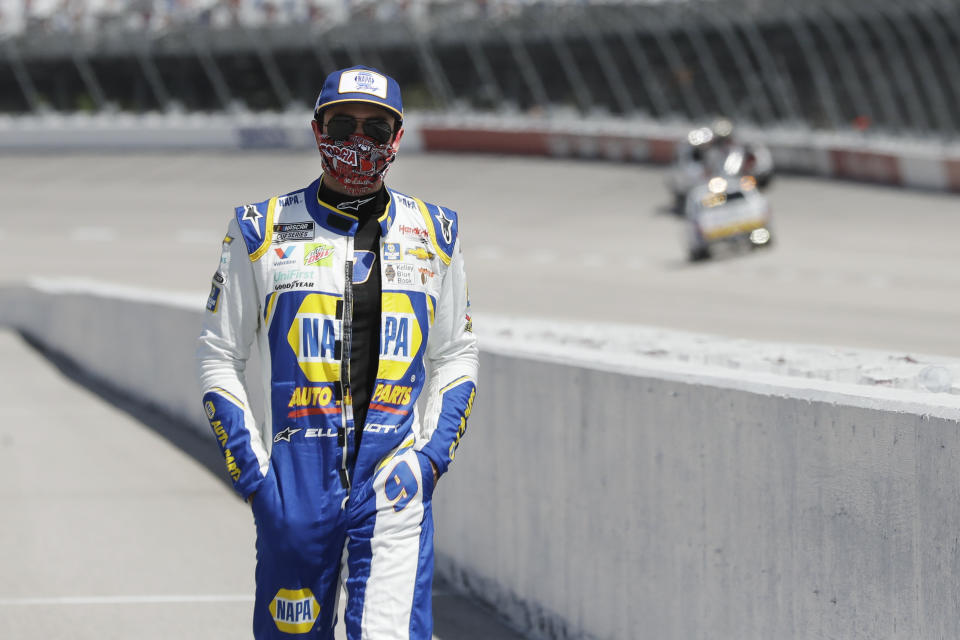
[[341, 127]]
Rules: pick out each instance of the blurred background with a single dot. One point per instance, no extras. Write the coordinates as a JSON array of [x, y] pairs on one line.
[[878, 65], [843, 90]]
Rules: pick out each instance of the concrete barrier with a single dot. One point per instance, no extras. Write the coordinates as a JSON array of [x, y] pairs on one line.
[[903, 162], [843, 155], [602, 494]]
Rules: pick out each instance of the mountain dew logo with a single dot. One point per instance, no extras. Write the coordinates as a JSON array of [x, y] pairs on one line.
[[317, 255], [294, 610]]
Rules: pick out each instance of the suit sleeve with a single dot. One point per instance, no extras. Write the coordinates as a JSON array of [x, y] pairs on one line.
[[230, 325], [453, 360]]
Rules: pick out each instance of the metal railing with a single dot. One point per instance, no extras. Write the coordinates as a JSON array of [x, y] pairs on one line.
[[881, 65]]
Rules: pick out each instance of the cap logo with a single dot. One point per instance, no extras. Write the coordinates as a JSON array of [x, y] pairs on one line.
[[363, 81]]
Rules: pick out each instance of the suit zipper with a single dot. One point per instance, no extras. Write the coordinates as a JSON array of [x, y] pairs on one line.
[[346, 338]]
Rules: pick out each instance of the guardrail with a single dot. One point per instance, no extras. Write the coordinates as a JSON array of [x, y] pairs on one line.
[[601, 492]]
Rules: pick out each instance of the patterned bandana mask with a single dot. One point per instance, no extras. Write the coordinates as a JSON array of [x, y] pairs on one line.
[[358, 162]]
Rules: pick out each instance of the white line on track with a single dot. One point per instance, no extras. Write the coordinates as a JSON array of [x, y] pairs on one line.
[[174, 599]]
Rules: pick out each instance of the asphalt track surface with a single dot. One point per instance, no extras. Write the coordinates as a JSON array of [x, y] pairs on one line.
[[853, 265], [115, 526]]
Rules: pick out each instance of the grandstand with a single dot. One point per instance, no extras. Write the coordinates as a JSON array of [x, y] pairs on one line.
[[882, 66]]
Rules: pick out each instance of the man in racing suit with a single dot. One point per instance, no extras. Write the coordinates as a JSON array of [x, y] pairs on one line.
[[356, 297]]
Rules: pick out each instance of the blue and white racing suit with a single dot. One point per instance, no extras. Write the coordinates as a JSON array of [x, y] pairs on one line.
[[324, 508]]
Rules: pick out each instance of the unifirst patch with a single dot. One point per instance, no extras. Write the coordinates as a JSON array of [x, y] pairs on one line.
[[363, 81]]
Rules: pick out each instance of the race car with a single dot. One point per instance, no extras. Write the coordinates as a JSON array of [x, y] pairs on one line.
[[712, 151], [726, 211]]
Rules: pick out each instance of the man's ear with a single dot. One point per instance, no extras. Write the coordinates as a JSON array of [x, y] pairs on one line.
[[396, 139], [317, 131]]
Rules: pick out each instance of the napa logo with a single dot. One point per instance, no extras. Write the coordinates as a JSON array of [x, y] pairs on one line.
[[294, 610], [395, 336], [313, 336], [400, 336]]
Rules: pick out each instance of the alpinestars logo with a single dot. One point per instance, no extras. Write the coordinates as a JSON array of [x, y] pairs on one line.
[[354, 205], [446, 224], [285, 435], [251, 215]]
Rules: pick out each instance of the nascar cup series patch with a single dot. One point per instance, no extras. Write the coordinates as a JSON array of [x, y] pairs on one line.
[[294, 610]]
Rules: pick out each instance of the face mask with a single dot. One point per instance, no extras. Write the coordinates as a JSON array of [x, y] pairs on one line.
[[358, 162]]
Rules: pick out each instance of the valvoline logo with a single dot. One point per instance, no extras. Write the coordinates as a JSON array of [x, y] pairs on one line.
[[284, 252], [294, 610], [314, 338]]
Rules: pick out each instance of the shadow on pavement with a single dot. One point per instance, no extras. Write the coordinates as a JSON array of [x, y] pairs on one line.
[[456, 617]]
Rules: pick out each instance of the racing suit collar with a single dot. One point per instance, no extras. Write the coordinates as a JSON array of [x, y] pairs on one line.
[[341, 222]]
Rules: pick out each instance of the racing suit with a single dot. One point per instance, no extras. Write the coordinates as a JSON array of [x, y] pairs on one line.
[[324, 505]]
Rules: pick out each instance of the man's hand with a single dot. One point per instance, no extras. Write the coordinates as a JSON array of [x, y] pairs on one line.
[[249, 499], [434, 467]]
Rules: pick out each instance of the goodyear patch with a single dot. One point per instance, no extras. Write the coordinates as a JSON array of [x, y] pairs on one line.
[[294, 610]]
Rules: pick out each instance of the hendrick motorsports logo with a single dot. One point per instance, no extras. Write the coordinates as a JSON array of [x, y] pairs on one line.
[[294, 610]]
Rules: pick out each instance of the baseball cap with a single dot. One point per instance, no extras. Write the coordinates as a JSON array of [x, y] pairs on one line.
[[360, 84]]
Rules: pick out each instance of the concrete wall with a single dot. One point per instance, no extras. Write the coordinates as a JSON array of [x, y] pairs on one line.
[[900, 162], [610, 497]]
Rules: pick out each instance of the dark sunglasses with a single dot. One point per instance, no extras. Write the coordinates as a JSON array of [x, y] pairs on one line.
[[341, 127]]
